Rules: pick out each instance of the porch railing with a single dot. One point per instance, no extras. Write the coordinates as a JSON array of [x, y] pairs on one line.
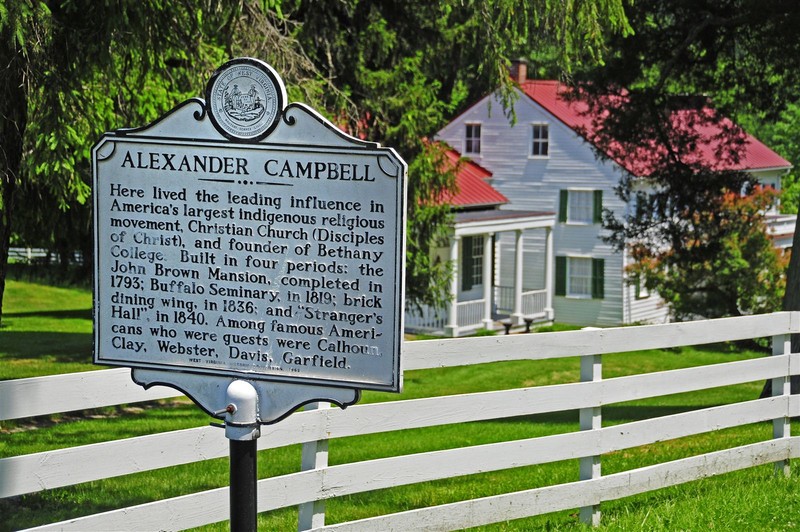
[[534, 302], [470, 313], [426, 319]]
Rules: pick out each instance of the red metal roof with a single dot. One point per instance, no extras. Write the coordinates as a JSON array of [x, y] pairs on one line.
[[704, 123], [472, 188]]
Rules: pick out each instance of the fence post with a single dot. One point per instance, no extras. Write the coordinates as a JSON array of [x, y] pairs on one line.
[[591, 419], [781, 386], [315, 456]]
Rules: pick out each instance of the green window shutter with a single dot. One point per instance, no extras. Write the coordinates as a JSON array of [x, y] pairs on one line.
[[561, 276], [598, 206], [598, 278], [466, 263], [563, 201]]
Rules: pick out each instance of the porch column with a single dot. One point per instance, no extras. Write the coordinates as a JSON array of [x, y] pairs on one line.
[[516, 315], [488, 280], [549, 273], [451, 329]]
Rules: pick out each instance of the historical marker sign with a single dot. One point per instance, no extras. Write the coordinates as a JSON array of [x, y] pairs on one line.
[[244, 238]]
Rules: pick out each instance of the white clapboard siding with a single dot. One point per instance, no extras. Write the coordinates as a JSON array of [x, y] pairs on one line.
[[51, 469], [53, 394], [487, 510]]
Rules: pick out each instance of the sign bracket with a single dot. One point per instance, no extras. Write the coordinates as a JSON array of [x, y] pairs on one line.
[[274, 400]]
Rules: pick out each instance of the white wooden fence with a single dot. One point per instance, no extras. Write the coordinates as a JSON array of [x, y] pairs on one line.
[[38, 255], [318, 482]]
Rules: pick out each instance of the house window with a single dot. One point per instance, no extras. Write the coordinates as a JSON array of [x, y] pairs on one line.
[[581, 206], [641, 288], [540, 140], [472, 139], [580, 277], [472, 262]]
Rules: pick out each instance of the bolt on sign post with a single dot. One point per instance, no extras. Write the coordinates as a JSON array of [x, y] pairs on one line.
[[250, 254]]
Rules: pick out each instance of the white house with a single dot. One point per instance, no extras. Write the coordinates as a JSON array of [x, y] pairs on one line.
[[478, 296], [542, 164]]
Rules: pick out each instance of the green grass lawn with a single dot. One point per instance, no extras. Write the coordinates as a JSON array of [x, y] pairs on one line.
[[48, 330], [45, 330]]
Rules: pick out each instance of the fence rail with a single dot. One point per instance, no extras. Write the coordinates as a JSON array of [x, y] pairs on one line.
[[40, 256], [40, 471]]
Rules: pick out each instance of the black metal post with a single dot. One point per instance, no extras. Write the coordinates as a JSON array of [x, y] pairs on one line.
[[243, 486]]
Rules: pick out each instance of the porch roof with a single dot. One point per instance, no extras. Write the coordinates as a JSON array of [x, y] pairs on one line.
[[477, 222], [473, 189]]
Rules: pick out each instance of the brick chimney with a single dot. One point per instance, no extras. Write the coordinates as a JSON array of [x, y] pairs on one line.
[[519, 70]]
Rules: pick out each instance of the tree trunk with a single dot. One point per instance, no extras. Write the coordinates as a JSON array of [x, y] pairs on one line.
[[13, 120], [9, 186], [791, 301]]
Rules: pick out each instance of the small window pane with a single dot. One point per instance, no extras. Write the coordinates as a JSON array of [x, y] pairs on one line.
[[579, 277], [472, 142], [477, 260], [540, 141], [581, 206], [641, 288]]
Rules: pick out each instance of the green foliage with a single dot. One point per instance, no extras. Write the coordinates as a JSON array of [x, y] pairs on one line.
[[72, 70], [730, 52], [427, 278], [783, 136], [393, 72], [726, 266], [407, 67], [75, 69], [734, 51]]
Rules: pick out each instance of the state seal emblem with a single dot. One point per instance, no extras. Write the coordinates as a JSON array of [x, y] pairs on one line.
[[245, 98]]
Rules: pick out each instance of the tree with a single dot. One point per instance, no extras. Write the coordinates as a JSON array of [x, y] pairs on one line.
[[407, 67], [57, 94], [728, 266], [71, 70], [783, 136], [391, 71], [690, 232], [730, 52]]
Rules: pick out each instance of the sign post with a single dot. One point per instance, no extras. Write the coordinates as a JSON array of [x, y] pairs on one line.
[[250, 254]]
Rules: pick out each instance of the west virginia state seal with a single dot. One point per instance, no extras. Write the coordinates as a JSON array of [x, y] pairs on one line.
[[245, 98]]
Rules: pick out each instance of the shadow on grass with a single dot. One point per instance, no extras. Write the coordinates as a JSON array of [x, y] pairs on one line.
[[63, 347], [85, 314], [611, 414], [638, 413]]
